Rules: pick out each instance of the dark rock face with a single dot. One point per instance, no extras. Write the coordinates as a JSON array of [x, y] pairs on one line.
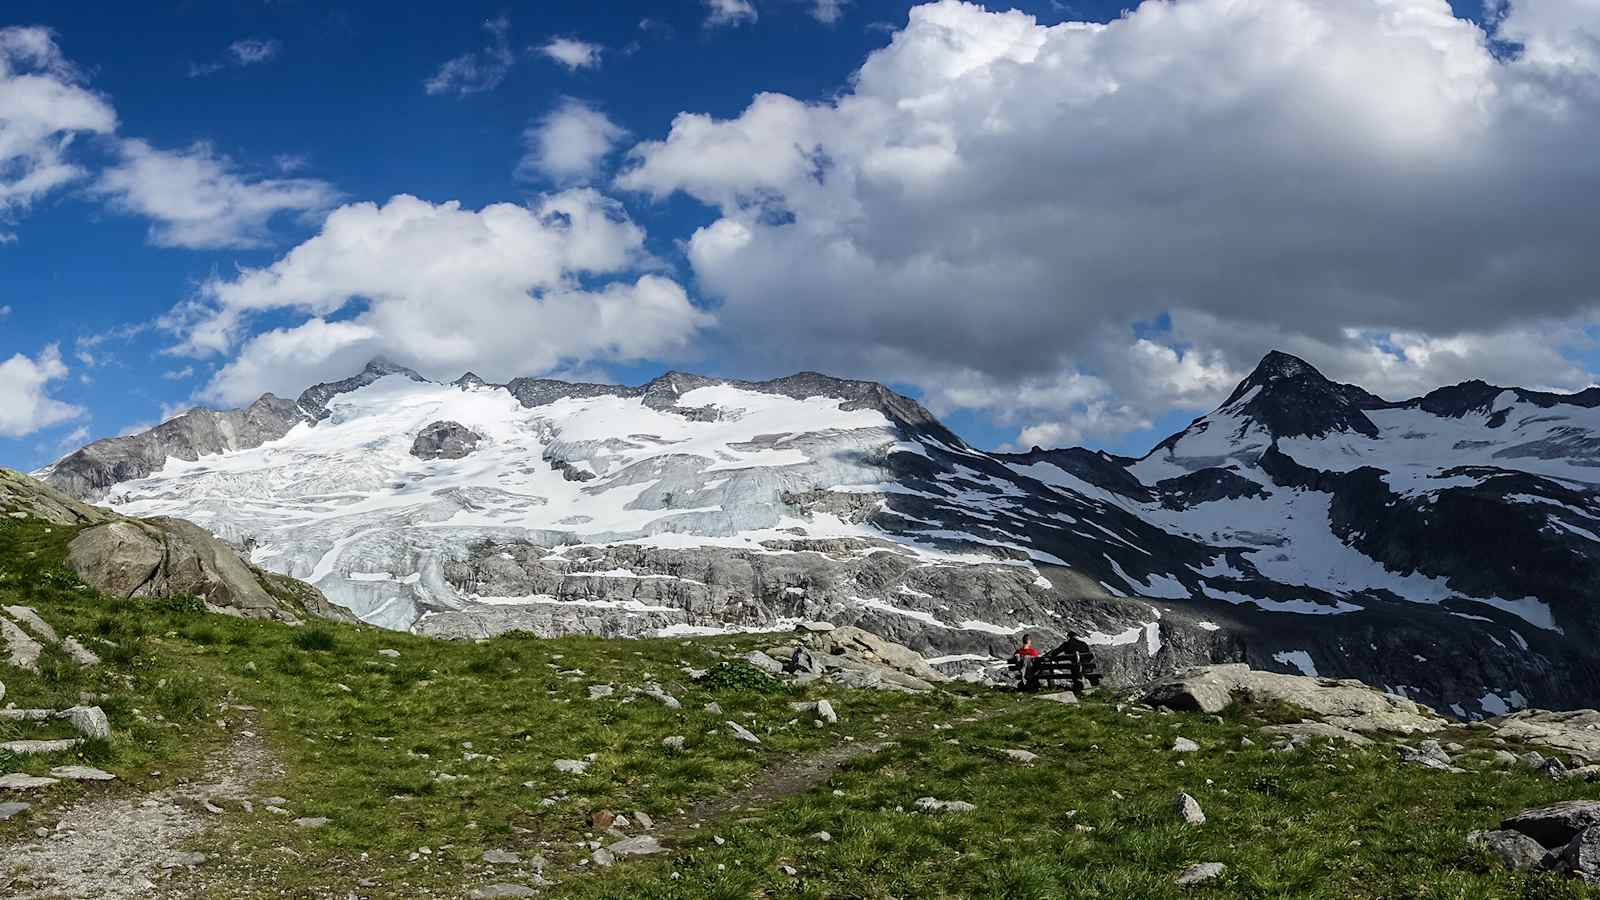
[[90, 472], [445, 440], [1557, 824]]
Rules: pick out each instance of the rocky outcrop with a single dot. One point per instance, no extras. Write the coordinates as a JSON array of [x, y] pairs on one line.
[[1342, 703], [445, 440], [91, 472], [1576, 732], [22, 497], [170, 557]]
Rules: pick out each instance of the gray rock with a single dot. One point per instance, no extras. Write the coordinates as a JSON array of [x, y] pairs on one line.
[[742, 733], [1532, 759], [1428, 754], [89, 720], [1553, 768], [1023, 756], [501, 858], [640, 845], [81, 773], [1188, 810], [1066, 697], [1300, 732], [571, 766], [600, 691], [801, 661], [1199, 872], [644, 820], [1503, 758], [1557, 824], [10, 808], [17, 781], [1343, 703], [654, 692], [390, 653], [763, 662], [29, 747], [184, 860], [825, 712], [445, 440], [932, 805], [1581, 857], [311, 821], [822, 837], [673, 742], [1184, 745], [1513, 849]]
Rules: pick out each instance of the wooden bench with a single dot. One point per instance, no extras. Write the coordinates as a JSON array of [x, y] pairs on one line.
[[1071, 662]]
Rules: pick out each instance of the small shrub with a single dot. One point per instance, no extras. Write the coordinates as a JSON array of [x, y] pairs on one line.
[[181, 698], [315, 638], [204, 635], [177, 605], [741, 676]]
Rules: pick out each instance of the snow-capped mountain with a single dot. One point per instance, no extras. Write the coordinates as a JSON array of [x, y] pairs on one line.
[[1443, 547]]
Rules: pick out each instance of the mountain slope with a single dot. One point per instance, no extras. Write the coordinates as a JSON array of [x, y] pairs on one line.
[[1304, 525]]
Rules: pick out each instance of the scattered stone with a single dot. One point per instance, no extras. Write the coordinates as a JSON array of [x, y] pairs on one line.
[[603, 819], [571, 766], [644, 820], [1067, 697], [1022, 756], [89, 720], [654, 692], [1189, 810], [81, 773], [1514, 849], [1300, 732], [7, 810], [1343, 703], [642, 845], [1429, 754], [788, 870], [501, 858], [714, 708], [602, 857], [1557, 824], [1199, 872], [498, 891], [673, 742], [1503, 758], [929, 804], [392, 654], [17, 781], [311, 821], [742, 733], [1184, 745], [822, 837], [825, 712], [763, 662], [1532, 759], [600, 691], [184, 861], [1554, 768]]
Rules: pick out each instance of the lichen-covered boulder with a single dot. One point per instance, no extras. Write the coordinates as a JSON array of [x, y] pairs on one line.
[[1343, 703]]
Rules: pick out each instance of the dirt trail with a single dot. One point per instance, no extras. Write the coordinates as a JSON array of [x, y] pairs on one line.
[[116, 847]]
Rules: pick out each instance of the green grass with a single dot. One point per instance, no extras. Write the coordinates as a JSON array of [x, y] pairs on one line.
[[363, 739]]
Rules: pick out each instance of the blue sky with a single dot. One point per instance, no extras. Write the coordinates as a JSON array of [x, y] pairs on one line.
[[311, 109]]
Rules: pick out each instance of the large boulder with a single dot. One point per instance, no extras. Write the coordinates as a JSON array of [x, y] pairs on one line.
[[1514, 849], [172, 558], [24, 498], [1577, 731], [445, 440], [1555, 826], [1342, 703], [854, 643]]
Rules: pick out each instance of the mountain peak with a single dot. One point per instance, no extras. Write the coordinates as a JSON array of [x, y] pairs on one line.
[[1289, 398], [1277, 364]]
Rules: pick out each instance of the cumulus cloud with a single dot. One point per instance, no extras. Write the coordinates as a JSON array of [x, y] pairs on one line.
[[25, 405], [573, 53], [997, 197], [725, 13], [43, 107], [569, 144], [479, 70], [507, 290], [197, 198]]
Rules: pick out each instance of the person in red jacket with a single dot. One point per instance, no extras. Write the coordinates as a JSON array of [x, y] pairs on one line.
[[1027, 648]]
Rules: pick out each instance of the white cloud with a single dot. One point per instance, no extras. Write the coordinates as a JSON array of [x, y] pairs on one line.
[[240, 53], [182, 374], [827, 11], [994, 196], [73, 439], [197, 199], [573, 53], [568, 145], [505, 291], [720, 13], [480, 70], [43, 106], [25, 405], [5, 311]]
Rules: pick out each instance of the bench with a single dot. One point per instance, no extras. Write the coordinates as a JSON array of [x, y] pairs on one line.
[[1071, 662]]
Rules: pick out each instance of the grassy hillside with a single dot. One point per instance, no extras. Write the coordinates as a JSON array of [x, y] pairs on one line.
[[423, 761]]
